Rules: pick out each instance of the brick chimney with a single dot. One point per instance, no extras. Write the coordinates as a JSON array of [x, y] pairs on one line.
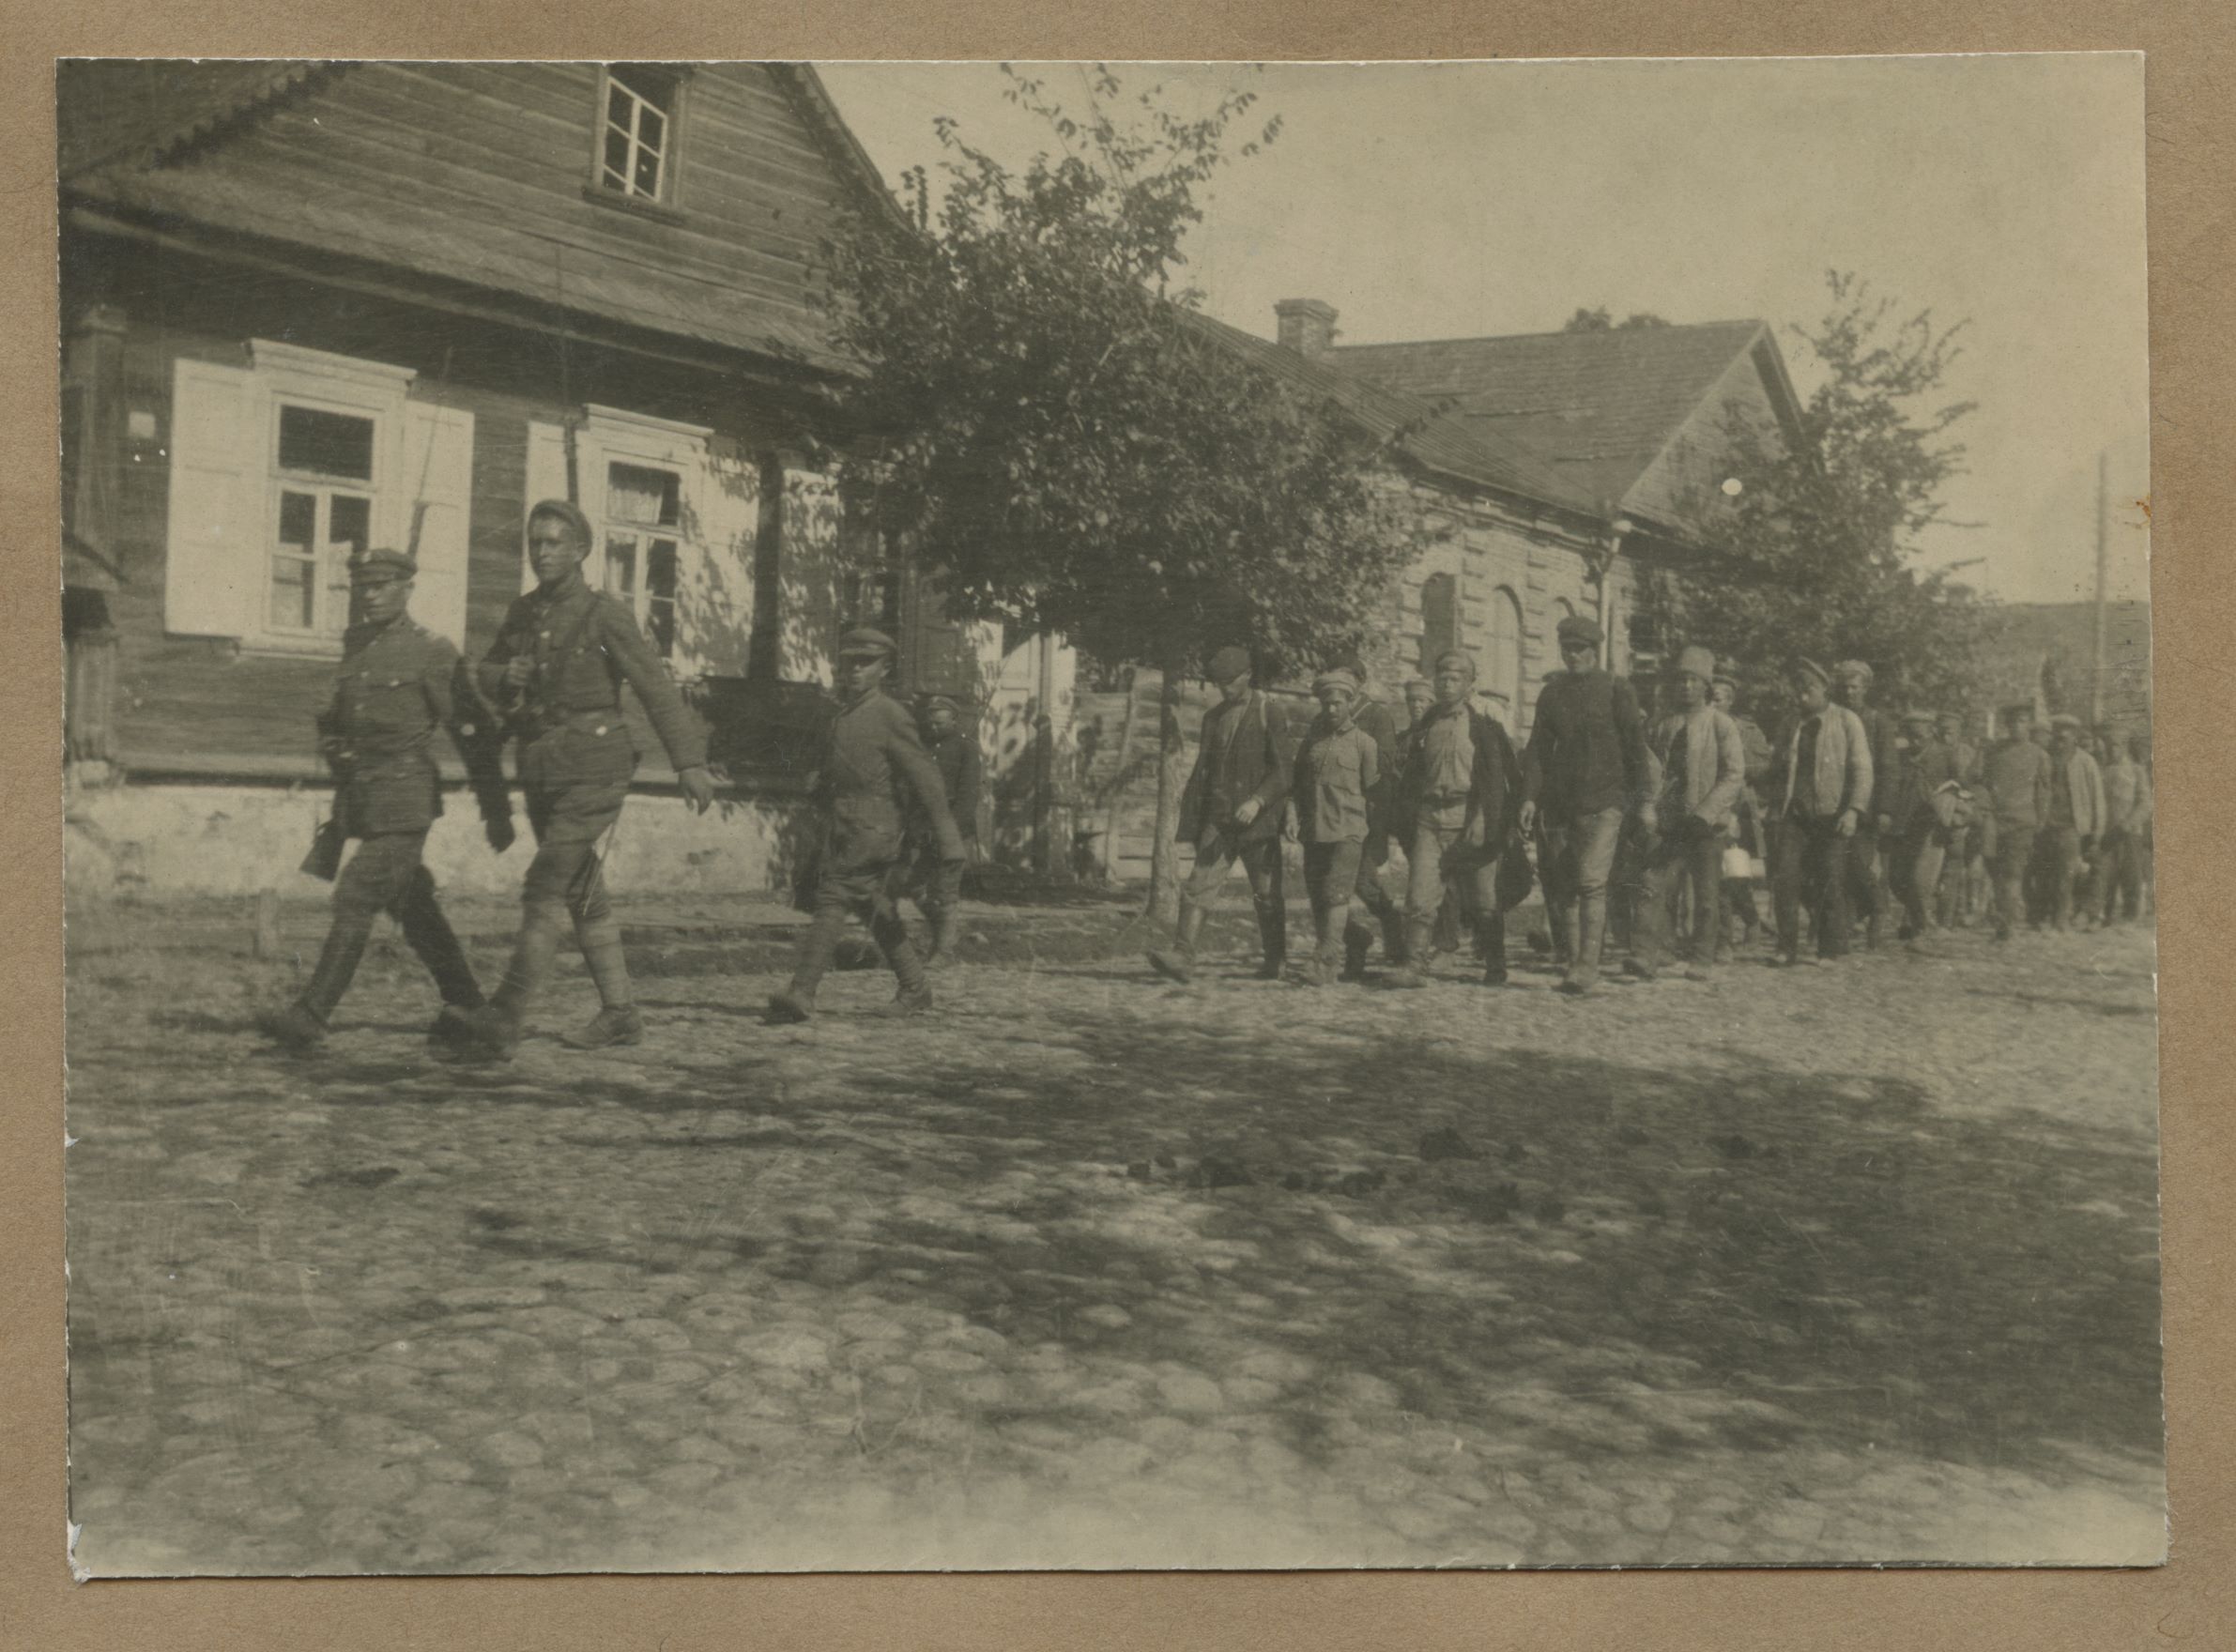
[[1305, 325]]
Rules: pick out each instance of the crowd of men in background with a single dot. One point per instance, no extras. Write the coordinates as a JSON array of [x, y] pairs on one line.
[[1654, 832]]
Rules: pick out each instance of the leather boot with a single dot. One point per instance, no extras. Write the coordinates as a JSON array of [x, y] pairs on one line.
[[1561, 920], [1409, 974], [1358, 941], [1177, 962], [1591, 925], [1490, 936], [1273, 936], [914, 996], [943, 923], [616, 1020], [796, 1002], [492, 1032]]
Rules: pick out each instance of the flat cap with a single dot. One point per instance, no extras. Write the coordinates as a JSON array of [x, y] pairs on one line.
[[1413, 683], [1926, 714], [1805, 666], [1335, 678], [866, 640], [2066, 720], [382, 563], [1699, 661], [1728, 680], [1577, 631], [2019, 708], [1853, 671], [1229, 664]]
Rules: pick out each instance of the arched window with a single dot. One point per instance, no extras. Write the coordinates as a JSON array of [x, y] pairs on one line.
[[1440, 619], [1503, 677]]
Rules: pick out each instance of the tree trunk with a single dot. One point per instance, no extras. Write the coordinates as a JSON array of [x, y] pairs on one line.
[[1171, 776]]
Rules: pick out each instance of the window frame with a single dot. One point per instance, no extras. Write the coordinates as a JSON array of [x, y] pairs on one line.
[[645, 442], [289, 376], [667, 203]]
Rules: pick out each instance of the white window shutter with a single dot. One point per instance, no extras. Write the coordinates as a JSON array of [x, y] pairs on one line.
[[438, 474], [216, 559], [813, 566], [714, 603], [547, 480]]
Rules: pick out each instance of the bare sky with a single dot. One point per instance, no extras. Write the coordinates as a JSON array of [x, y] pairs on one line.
[[1452, 200]]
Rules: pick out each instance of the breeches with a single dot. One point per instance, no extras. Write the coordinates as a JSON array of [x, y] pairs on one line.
[[568, 822], [1218, 851]]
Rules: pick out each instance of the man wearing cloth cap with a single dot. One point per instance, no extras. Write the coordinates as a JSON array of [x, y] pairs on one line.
[[874, 777], [956, 754], [1818, 792], [2075, 816], [1460, 787], [1704, 768], [1231, 810], [2015, 773], [556, 670], [1587, 765], [1875, 827], [1339, 770], [399, 682]]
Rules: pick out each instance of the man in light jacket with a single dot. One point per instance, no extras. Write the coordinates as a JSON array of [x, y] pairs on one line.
[[1819, 793], [1703, 762], [2076, 818], [2126, 808]]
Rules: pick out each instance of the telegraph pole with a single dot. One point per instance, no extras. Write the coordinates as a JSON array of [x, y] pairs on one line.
[[2103, 616]]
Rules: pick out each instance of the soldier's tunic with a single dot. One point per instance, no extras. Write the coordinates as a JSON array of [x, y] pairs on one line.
[[575, 754], [925, 870], [875, 777], [398, 683]]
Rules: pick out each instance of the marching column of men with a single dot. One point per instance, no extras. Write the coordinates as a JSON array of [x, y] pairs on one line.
[[1854, 811]]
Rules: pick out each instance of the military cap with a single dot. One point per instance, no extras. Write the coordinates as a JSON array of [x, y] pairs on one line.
[[2066, 720], [933, 702], [1727, 680], [1924, 714], [1699, 661], [382, 563], [1337, 678], [567, 511], [1413, 683], [866, 640], [1853, 671], [2019, 708], [1229, 664], [1810, 669], [1576, 631]]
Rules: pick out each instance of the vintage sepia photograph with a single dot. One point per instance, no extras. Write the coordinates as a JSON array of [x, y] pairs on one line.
[[906, 815]]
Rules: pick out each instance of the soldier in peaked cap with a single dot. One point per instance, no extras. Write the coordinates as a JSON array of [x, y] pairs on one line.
[[556, 670], [399, 682], [1237, 796], [874, 776]]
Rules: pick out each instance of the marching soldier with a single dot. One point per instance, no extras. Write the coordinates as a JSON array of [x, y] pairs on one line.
[[874, 775], [556, 670], [398, 683], [1236, 798]]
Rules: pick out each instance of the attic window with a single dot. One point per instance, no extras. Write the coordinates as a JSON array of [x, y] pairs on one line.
[[639, 106]]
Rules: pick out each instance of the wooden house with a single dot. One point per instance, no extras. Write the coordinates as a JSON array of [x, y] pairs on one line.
[[310, 307]]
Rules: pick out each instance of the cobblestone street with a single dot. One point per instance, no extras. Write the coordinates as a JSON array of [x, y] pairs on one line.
[[1802, 1266]]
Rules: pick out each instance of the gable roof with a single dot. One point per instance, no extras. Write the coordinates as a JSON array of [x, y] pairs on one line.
[[207, 144], [1432, 436], [1595, 409]]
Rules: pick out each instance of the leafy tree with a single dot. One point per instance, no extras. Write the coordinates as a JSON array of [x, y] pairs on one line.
[[1603, 320], [1814, 553], [1067, 444]]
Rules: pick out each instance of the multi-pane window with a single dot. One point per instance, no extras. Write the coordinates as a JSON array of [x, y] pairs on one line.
[[639, 138], [324, 474], [643, 535]]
